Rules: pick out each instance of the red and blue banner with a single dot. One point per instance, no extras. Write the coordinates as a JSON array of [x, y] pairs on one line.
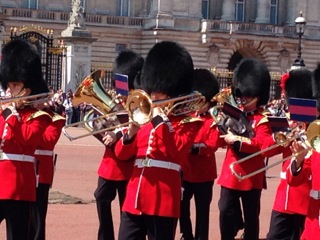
[[303, 110], [121, 84], [278, 124], [231, 111]]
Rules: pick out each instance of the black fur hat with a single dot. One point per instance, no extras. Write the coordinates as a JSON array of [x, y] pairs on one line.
[[252, 79], [21, 63], [316, 82], [205, 83], [316, 85], [128, 63], [299, 84], [168, 69]]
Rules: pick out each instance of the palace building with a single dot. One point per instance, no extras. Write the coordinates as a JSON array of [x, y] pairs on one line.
[[218, 33]]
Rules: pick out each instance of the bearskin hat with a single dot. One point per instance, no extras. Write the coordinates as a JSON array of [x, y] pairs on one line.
[[168, 69], [252, 79], [21, 63], [298, 84], [316, 85], [128, 63], [205, 83]]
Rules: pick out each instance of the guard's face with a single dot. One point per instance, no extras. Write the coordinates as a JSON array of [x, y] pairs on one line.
[[157, 96], [16, 89]]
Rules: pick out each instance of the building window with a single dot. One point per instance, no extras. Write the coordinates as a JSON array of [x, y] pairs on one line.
[[30, 4], [274, 12], [205, 9], [123, 8], [120, 47], [240, 10]]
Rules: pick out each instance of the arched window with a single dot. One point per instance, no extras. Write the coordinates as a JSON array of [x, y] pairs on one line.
[[274, 11], [240, 6]]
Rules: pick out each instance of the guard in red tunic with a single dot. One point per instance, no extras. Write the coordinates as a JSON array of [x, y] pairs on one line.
[[304, 164], [200, 170], [152, 203], [251, 84], [21, 128], [291, 201], [46, 160], [114, 174]]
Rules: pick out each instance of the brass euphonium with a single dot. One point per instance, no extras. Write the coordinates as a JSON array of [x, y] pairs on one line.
[[91, 92], [227, 123]]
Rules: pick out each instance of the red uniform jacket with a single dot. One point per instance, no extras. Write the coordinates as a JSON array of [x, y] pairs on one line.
[[20, 132], [289, 199], [310, 166], [201, 164], [246, 146], [156, 190], [112, 168], [44, 152]]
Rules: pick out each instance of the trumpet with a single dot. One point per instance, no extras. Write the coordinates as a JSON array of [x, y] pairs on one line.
[[310, 139], [29, 100], [139, 108]]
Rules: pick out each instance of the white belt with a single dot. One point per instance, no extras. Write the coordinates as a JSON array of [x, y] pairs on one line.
[[315, 194], [16, 157], [283, 175], [140, 163], [43, 152]]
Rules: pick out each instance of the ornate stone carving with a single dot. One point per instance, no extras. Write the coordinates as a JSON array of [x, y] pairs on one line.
[[77, 15], [284, 60], [213, 55]]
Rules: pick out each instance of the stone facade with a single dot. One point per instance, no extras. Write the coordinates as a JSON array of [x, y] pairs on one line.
[[217, 42]]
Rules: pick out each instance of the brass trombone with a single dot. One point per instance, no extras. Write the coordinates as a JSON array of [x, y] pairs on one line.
[[139, 107], [310, 139], [28, 100]]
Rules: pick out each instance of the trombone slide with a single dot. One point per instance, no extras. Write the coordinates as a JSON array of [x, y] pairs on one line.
[[242, 177]]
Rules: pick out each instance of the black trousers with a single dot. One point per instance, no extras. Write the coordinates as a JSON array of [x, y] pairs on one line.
[[137, 227], [39, 213], [285, 226], [17, 216], [105, 193], [202, 193], [231, 213]]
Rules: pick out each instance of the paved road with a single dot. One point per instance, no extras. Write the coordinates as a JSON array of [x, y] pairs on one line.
[[72, 211]]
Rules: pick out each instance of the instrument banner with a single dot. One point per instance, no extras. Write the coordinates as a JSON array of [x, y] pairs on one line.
[[121, 84], [302, 110], [279, 124]]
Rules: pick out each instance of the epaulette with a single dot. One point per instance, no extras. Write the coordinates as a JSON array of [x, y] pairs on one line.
[[243, 139], [38, 114], [263, 120], [266, 112], [190, 119], [57, 117]]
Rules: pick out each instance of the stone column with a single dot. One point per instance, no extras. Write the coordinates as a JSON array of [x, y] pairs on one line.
[[263, 11], [228, 10], [78, 41], [160, 14]]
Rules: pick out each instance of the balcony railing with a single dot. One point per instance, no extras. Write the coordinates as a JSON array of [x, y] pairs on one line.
[[260, 29], [311, 32], [64, 16]]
